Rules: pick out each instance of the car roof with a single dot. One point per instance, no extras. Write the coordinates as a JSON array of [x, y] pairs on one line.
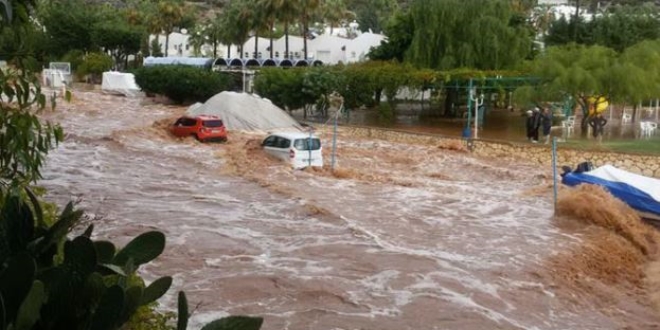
[[207, 117], [293, 135]]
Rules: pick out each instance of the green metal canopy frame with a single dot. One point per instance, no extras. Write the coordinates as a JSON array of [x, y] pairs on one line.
[[495, 83]]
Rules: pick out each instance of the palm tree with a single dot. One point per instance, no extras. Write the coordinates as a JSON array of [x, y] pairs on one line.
[[334, 12], [269, 15], [236, 21], [307, 8], [287, 10], [259, 24], [168, 17]]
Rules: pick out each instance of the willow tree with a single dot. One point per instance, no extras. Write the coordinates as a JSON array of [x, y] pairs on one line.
[[578, 71], [636, 76], [481, 34]]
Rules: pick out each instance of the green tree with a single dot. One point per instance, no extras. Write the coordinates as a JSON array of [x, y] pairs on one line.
[[69, 25], [169, 15], [636, 76], [399, 33], [94, 64], [582, 72], [118, 38], [467, 33], [618, 28], [307, 9], [334, 12], [287, 12], [282, 87], [372, 14], [269, 15], [318, 84], [237, 20]]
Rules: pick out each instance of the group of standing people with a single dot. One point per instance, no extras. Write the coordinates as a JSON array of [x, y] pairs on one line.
[[538, 119]]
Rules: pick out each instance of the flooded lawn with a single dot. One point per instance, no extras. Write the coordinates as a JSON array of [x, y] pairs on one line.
[[398, 237]]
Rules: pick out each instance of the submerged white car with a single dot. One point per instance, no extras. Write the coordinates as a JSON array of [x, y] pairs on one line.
[[297, 148]]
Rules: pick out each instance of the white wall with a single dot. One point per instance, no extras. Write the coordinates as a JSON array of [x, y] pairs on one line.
[[324, 47]]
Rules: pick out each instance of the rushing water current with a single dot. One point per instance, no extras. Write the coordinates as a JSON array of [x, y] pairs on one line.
[[417, 238]]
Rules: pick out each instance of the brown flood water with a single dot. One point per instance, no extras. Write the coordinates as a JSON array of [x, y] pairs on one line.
[[399, 237]]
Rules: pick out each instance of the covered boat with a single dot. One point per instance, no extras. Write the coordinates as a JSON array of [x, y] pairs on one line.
[[640, 192]]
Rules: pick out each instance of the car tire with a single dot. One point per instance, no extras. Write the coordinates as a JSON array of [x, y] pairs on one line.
[[197, 138]]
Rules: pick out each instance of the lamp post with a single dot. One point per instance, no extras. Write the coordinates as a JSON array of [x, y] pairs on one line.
[[478, 102]]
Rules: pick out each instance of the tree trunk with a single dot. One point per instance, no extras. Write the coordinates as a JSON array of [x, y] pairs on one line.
[[584, 123], [272, 23], [575, 20], [634, 114], [304, 26], [215, 49], [167, 43], [378, 96], [229, 51], [256, 44], [286, 39]]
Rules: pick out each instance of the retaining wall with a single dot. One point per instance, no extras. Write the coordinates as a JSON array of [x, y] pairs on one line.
[[648, 165]]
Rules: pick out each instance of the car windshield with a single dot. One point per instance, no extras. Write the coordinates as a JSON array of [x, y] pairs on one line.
[[212, 123], [307, 144]]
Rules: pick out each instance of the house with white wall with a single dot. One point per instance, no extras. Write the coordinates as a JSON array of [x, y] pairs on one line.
[[330, 49]]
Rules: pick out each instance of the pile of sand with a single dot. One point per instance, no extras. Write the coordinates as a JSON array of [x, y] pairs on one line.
[[246, 112]]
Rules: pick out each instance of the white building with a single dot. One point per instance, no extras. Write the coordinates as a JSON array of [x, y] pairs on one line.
[[330, 49]]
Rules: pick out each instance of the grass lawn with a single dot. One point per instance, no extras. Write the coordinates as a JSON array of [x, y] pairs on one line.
[[651, 146]]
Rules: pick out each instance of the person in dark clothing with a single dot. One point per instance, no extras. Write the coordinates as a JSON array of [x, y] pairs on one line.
[[597, 124], [546, 124], [529, 125], [536, 124]]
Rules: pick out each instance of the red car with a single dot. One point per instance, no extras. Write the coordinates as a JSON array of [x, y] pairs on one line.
[[203, 128]]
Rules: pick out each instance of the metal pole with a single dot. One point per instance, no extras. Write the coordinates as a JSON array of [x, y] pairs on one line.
[[478, 102], [476, 117], [554, 169], [469, 109], [334, 138], [309, 148]]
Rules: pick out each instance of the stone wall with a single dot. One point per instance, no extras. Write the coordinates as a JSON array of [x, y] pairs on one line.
[[648, 165]]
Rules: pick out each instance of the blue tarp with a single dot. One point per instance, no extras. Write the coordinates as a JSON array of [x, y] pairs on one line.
[[634, 197]]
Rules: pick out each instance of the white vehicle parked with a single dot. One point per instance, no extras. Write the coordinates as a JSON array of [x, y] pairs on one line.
[[299, 149]]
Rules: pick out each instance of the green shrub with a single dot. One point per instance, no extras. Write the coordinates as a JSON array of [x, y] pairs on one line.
[[76, 57], [50, 281], [181, 83], [94, 64], [282, 86]]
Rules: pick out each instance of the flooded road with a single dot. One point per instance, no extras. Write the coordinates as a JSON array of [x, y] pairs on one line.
[[400, 237]]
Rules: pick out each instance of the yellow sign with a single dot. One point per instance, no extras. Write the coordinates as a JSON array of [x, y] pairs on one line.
[[597, 106]]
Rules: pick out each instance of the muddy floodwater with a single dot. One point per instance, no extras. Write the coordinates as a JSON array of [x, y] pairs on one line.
[[399, 237]]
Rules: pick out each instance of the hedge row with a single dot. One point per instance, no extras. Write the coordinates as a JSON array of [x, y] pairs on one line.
[[182, 84]]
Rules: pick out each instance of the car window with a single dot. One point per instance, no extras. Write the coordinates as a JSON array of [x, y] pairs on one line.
[[307, 144], [212, 123], [188, 121], [283, 142], [269, 141]]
